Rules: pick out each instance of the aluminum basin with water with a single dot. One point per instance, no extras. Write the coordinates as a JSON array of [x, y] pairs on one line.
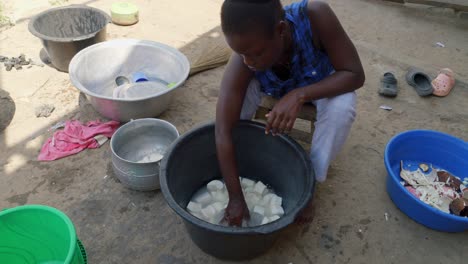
[[137, 149], [94, 70]]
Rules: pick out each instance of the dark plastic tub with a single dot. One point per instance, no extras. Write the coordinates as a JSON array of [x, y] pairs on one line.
[[277, 161], [64, 31]]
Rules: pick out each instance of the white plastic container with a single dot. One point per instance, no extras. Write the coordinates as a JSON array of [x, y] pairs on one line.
[[124, 13]]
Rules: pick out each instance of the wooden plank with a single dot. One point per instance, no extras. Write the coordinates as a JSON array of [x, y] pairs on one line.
[[308, 111], [300, 135], [303, 137], [261, 112], [457, 5]]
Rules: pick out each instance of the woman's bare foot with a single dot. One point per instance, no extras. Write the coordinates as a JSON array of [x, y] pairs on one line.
[[307, 214]]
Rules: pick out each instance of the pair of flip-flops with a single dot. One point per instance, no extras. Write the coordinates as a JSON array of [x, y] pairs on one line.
[[440, 86]]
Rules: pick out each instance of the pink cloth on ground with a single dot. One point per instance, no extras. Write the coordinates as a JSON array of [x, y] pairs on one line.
[[75, 138]]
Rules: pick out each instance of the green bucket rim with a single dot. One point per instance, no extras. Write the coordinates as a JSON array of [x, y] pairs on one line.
[[63, 216]]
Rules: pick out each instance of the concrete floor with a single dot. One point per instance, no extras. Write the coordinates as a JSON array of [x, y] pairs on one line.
[[118, 225]]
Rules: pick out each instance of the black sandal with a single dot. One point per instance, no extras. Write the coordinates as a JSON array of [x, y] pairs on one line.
[[388, 85], [420, 81]]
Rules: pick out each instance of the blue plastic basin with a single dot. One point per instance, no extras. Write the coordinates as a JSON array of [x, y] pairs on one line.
[[425, 146]]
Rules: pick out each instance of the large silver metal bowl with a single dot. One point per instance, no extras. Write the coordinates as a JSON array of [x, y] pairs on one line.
[[94, 70], [137, 150]]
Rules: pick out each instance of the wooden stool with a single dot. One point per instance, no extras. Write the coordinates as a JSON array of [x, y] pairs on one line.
[[308, 113]]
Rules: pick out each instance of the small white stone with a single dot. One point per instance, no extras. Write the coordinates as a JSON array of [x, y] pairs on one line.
[[259, 210], [247, 183], [265, 220], [267, 199], [216, 220], [247, 190], [260, 188], [215, 185], [194, 207], [277, 210], [220, 196], [218, 206], [276, 200], [197, 215], [208, 212], [274, 218], [203, 198], [251, 199]]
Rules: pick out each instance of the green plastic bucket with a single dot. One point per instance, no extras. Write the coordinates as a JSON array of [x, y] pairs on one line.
[[37, 234]]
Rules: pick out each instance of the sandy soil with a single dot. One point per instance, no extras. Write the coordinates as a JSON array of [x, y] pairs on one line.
[[117, 225]]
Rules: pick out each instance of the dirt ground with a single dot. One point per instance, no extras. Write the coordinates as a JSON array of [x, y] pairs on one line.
[[118, 225]]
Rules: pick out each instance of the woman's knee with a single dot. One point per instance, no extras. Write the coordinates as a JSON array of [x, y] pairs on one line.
[[341, 108]]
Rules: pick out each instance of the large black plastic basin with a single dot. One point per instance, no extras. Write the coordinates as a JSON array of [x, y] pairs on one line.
[[277, 161]]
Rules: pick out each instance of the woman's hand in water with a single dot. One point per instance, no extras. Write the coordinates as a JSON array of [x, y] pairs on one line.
[[236, 211], [283, 115]]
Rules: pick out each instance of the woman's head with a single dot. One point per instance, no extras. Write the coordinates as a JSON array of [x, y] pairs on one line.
[[255, 29]]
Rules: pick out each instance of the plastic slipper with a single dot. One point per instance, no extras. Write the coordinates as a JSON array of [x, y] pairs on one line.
[[388, 85], [443, 83], [420, 81]]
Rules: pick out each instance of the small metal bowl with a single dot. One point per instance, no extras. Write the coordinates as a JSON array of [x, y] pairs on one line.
[[137, 150]]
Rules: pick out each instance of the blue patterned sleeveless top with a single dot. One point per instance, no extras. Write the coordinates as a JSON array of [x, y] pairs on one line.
[[308, 65]]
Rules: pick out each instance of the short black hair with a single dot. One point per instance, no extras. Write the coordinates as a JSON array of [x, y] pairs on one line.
[[245, 16]]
